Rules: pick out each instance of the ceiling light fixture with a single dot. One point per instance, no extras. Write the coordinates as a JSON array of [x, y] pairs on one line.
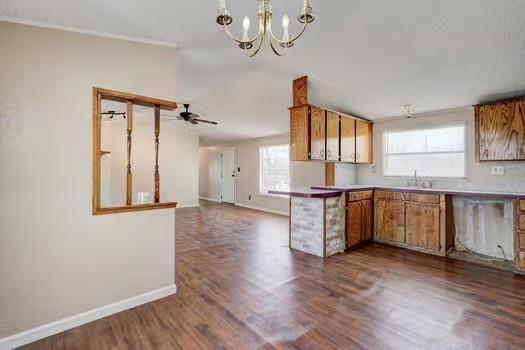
[[409, 111], [264, 14]]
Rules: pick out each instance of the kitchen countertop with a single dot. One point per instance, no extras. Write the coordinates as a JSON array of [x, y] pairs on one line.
[[334, 191]]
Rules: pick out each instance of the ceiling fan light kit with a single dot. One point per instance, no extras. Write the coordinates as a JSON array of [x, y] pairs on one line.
[[264, 15]]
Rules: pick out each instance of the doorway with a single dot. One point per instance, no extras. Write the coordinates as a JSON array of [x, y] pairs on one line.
[[228, 174]]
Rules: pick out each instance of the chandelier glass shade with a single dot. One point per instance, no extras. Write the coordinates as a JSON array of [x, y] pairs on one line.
[[252, 45]]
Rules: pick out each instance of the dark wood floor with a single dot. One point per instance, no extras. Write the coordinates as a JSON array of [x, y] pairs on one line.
[[240, 287]]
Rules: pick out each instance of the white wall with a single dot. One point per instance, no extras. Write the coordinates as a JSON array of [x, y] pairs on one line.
[[478, 174], [302, 174], [56, 259]]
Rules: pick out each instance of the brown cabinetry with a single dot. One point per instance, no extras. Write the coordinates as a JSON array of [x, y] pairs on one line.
[[332, 136], [500, 130], [413, 220], [359, 216], [319, 134], [519, 240]]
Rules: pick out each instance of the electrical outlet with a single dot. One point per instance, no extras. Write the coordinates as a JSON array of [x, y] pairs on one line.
[[373, 169], [249, 197], [498, 170]]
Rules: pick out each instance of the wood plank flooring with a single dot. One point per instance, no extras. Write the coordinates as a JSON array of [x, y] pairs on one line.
[[240, 287]]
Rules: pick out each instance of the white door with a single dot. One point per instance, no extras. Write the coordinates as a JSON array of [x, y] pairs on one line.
[[228, 176]]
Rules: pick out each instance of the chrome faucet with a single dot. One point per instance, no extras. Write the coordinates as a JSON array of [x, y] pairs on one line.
[[415, 177]]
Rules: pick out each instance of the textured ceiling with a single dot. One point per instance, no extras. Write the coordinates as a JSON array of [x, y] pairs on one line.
[[369, 57]]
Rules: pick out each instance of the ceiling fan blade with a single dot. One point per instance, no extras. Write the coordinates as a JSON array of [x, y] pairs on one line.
[[194, 122], [194, 116], [207, 121]]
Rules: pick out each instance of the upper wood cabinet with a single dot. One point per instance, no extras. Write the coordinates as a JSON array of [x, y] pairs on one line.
[[363, 142], [332, 136], [348, 140], [500, 130], [299, 133], [317, 133]]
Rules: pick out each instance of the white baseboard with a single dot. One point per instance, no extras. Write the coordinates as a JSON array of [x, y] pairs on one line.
[[278, 212], [210, 199], [55, 327]]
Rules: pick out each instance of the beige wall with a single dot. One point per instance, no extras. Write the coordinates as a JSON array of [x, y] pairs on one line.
[[478, 174], [302, 174], [56, 259]]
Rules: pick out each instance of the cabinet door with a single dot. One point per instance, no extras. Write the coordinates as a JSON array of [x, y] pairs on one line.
[[518, 130], [347, 139], [422, 226], [367, 220], [317, 133], [390, 220], [353, 224], [332, 136], [363, 142], [299, 130], [500, 135]]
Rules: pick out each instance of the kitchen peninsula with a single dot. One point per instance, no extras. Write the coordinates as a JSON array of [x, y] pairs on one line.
[[326, 220]]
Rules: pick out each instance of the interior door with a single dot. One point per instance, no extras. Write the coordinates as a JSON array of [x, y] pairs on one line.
[[332, 136], [363, 137], [347, 139], [317, 133], [228, 176], [353, 224]]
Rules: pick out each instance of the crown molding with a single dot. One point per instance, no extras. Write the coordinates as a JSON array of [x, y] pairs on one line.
[[87, 31]]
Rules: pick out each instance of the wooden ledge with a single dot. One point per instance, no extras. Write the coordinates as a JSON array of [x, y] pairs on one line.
[[137, 207]]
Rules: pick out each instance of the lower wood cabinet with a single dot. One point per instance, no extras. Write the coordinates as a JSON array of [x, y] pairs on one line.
[[359, 222], [390, 220], [422, 226]]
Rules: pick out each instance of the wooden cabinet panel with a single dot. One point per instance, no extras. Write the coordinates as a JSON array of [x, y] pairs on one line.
[[422, 226], [332, 136], [300, 91], [317, 133], [358, 196], [400, 196], [501, 131], [299, 131], [367, 220], [521, 222], [363, 142], [424, 198], [390, 220], [522, 241], [353, 224], [522, 205], [347, 139]]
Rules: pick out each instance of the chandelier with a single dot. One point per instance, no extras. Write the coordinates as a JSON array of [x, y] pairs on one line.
[[251, 46]]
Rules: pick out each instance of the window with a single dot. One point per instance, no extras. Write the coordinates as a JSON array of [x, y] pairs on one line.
[[274, 168], [437, 152]]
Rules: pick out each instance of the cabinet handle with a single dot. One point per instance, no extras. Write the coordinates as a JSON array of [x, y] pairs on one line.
[[352, 155], [321, 154], [329, 154], [358, 156], [486, 153]]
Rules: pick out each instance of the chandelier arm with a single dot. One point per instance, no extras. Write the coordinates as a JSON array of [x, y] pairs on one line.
[[252, 40], [275, 51], [256, 51], [292, 39]]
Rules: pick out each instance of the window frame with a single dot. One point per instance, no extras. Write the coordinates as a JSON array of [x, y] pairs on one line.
[[440, 126], [266, 194]]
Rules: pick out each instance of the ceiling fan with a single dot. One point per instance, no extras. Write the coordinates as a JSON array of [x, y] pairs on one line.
[[193, 118]]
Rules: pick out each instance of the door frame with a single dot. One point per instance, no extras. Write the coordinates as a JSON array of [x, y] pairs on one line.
[[234, 149]]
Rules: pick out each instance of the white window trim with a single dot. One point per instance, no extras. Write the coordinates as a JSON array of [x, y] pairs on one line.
[[266, 194], [464, 124]]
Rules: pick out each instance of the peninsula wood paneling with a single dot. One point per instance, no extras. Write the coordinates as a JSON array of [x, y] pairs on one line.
[[332, 136], [299, 131], [422, 226], [347, 139], [500, 131], [317, 133], [390, 220]]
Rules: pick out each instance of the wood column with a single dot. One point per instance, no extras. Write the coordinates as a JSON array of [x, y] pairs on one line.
[[157, 175], [129, 176]]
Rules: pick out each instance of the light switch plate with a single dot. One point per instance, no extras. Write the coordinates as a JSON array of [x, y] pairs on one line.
[[498, 170]]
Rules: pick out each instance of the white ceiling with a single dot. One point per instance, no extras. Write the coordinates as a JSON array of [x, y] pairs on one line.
[[368, 57]]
